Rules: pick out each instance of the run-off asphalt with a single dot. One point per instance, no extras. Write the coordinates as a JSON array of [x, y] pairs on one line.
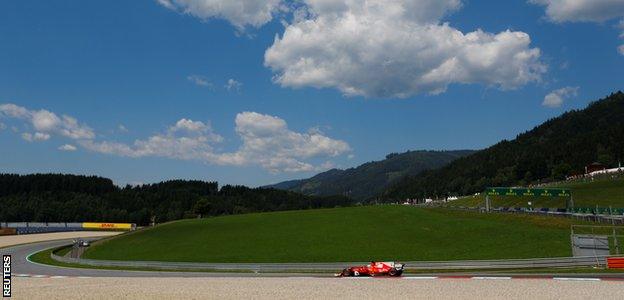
[[310, 288]]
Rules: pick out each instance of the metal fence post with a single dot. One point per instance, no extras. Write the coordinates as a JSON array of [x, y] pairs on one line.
[[617, 244]]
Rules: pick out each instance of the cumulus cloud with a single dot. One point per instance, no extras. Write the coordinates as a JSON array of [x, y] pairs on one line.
[[200, 80], [68, 148], [390, 48], [266, 141], [556, 98], [560, 11], [46, 122], [621, 26], [240, 13], [36, 137], [233, 85], [186, 140], [582, 10]]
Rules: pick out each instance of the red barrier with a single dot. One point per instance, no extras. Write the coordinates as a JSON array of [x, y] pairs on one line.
[[615, 262], [7, 231]]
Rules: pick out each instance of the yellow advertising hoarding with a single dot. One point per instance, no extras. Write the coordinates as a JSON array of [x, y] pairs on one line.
[[110, 226]]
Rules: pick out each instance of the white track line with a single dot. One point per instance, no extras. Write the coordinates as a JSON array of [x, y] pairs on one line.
[[48, 276], [421, 277], [576, 279], [492, 278]]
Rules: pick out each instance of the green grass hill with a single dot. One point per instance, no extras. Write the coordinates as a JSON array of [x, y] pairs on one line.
[[344, 234]]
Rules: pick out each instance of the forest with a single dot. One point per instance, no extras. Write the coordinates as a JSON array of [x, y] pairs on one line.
[[73, 198]]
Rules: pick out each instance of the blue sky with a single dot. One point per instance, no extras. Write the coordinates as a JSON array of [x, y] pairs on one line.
[[158, 90]]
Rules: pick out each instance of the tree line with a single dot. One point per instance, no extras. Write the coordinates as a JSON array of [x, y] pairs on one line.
[[74, 198]]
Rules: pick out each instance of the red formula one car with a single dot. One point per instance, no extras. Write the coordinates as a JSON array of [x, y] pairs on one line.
[[374, 269]]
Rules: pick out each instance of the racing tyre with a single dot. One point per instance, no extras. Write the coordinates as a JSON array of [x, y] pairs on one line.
[[346, 273], [395, 273]]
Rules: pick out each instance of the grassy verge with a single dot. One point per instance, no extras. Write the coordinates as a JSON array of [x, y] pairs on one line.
[[346, 234]]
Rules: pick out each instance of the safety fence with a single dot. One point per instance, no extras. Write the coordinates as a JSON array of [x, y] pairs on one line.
[[508, 264], [586, 215]]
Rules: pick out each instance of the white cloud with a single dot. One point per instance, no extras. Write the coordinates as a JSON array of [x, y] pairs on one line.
[[27, 136], [240, 13], [68, 147], [266, 141], [557, 97], [233, 85], [186, 140], [2, 126], [200, 81], [46, 122], [582, 10], [621, 26], [36, 137], [189, 125], [396, 48], [560, 11], [122, 128], [71, 129]]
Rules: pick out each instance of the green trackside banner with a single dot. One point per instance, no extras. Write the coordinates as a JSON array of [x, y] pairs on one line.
[[505, 191]]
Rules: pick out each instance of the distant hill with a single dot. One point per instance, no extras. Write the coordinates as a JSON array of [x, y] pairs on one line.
[[370, 179], [559, 147]]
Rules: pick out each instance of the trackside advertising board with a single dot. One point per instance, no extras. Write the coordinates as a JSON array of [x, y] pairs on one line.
[[527, 192], [109, 226]]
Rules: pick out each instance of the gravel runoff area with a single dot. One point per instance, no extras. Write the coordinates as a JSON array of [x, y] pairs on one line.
[[310, 288], [10, 240]]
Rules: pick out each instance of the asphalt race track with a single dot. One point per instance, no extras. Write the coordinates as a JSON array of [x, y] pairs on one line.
[[22, 267]]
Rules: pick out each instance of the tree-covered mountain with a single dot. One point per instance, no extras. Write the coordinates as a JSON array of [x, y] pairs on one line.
[[559, 147], [370, 179], [71, 198]]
